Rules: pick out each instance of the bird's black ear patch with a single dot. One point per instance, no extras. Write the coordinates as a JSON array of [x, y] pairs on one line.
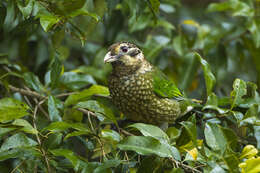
[[134, 52]]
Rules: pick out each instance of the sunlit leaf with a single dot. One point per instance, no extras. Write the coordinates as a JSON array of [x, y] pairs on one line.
[[86, 94], [12, 109], [239, 90], [18, 140], [215, 137], [144, 145], [208, 75], [53, 109], [68, 154]]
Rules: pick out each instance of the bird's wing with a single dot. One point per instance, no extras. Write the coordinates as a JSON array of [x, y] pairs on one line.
[[164, 87]]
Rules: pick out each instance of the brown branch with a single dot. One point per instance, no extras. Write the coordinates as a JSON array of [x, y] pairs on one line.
[[184, 166], [26, 92]]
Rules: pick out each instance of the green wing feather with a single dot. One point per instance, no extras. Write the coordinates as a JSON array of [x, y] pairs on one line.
[[164, 87]]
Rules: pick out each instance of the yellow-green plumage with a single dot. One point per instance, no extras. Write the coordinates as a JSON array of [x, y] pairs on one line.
[[138, 89]]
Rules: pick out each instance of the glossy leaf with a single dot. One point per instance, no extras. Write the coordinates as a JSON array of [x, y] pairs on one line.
[[53, 109], [11, 109], [208, 75], [144, 145], [18, 140], [86, 94], [239, 90], [215, 137]]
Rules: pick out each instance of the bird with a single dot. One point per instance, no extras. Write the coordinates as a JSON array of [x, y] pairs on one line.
[[141, 91]]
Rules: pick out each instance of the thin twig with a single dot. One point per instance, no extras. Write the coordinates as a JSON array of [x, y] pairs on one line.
[[17, 166], [185, 166], [26, 92], [39, 141]]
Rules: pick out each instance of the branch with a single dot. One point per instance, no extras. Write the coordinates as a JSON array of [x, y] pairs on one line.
[[187, 167]]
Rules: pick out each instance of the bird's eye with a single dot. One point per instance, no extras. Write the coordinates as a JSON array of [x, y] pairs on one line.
[[124, 49]]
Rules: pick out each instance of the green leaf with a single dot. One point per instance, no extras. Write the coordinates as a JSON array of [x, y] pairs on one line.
[[151, 130], [47, 20], [254, 28], [107, 164], [32, 81], [155, 5], [53, 109], [24, 153], [239, 90], [27, 127], [62, 126], [208, 75], [96, 107], [212, 103], [144, 145], [83, 11], [68, 154], [56, 69], [26, 7], [75, 81], [18, 140], [191, 129], [110, 134], [53, 141], [11, 109], [76, 133], [215, 138], [236, 7], [86, 94]]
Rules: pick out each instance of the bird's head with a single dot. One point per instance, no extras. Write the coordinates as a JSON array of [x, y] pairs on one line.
[[125, 54]]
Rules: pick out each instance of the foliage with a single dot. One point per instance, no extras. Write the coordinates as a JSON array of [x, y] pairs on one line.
[[55, 111]]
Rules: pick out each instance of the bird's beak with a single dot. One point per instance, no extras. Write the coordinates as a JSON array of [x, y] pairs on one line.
[[110, 58]]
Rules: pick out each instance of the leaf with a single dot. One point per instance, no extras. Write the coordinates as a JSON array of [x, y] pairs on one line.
[[97, 107], [24, 153], [76, 133], [62, 126], [156, 133], [107, 164], [86, 94], [144, 145], [18, 140], [26, 7], [53, 109], [151, 130], [27, 127], [239, 90], [110, 134], [53, 141], [11, 109], [254, 28], [32, 81], [215, 138], [155, 5], [236, 7], [191, 129], [75, 81], [56, 69], [212, 103], [47, 20], [208, 75], [68, 154]]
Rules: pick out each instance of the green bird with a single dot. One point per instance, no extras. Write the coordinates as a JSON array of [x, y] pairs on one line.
[[140, 90]]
